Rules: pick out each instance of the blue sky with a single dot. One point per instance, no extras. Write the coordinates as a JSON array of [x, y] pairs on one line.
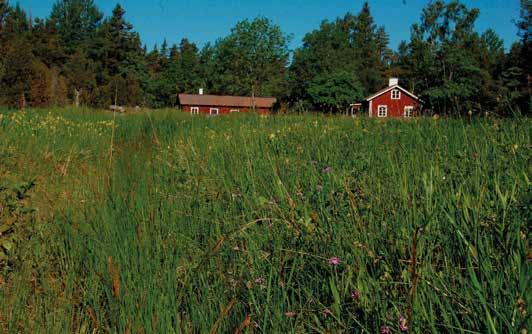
[[202, 21]]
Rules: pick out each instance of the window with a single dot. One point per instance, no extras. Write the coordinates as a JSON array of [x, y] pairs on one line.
[[214, 111], [194, 110], [409, 111], [396, 94], [383, 111], [234, 110]]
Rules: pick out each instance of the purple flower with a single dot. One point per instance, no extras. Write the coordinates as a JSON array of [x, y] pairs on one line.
[[403, 324], [334, 261], [328, 170], [355, 295], [386, 330], [327, 312]]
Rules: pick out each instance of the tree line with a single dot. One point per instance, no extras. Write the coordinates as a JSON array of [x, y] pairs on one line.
[[76, 56]]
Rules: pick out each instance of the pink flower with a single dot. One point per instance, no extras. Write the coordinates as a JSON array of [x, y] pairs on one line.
[[327, 312], [328, 170], [386, 330], [334, 261], [259, 281], [355, 295], [403, 324], [290, 314]]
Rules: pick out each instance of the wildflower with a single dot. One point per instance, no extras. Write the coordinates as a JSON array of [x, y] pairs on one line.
[[328, 170], [334, 261], [236, 248], [355, 295], [327, 312], [385, 330], [290, 314], [403, 325], [259, 280]]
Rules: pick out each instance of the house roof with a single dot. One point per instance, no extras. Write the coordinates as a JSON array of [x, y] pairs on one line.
[[226, 101], [387, 89]]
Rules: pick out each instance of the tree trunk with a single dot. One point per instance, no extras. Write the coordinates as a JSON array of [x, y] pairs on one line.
[[253, 97], [77, 94], [22, 102]]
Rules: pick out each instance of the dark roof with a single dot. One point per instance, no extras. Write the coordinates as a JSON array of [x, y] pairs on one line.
[[226, 101], [387, 89]]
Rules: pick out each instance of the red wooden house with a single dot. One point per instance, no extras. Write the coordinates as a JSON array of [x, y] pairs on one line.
[[217, 105], [393, 101]]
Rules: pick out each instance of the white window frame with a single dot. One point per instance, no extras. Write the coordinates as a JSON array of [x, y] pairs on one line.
[[234, 110], [214, 111], [385, 111], [409, 112], [194, 110], [398, 97]]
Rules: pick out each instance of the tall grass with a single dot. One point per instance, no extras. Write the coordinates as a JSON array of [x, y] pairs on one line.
[[164, 223]]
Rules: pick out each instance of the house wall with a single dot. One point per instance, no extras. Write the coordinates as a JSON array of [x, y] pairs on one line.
[[222, 110], [396, 108]]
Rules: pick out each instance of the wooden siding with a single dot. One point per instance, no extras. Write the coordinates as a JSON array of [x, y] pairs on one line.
[[396, 108], [206, 110]]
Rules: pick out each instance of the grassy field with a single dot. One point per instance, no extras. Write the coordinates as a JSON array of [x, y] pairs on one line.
[[165, 223]]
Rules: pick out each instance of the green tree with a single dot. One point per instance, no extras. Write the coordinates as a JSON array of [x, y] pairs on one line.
[[444, 59], [335, 91], [371, 49], [351, 44], [253, 59], [524, 26], [79, 71], [76, 22], [122, 60], [16, 81]]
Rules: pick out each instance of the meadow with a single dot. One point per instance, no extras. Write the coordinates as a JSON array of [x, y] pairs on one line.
[[166, 223]]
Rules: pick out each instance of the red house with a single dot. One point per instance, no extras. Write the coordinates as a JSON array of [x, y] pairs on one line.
[[218, 105], [393, 101]]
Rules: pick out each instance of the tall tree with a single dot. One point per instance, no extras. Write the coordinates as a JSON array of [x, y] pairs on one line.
[[444, 58], [371, 46], [76, 21], [252, 60], [351, 46], [122, 59], [524, 25]]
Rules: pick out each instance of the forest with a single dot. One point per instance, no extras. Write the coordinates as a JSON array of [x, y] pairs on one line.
[[78, 57]]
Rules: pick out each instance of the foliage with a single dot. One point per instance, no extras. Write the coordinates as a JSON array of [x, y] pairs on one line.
[[453, 68], [252, 60], [14, 212], [352, 44], [77, 56], [334, 91]]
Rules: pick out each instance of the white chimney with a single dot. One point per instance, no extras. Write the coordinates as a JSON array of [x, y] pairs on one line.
[[201, 91], [393, 82]]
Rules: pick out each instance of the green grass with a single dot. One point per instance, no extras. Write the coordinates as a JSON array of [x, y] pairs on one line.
[[164, 223]]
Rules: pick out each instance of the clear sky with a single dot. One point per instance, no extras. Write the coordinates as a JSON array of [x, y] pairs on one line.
[[202, 21]]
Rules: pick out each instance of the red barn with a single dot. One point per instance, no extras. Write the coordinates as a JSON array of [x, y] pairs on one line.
[[219, 105], [394, 101]]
